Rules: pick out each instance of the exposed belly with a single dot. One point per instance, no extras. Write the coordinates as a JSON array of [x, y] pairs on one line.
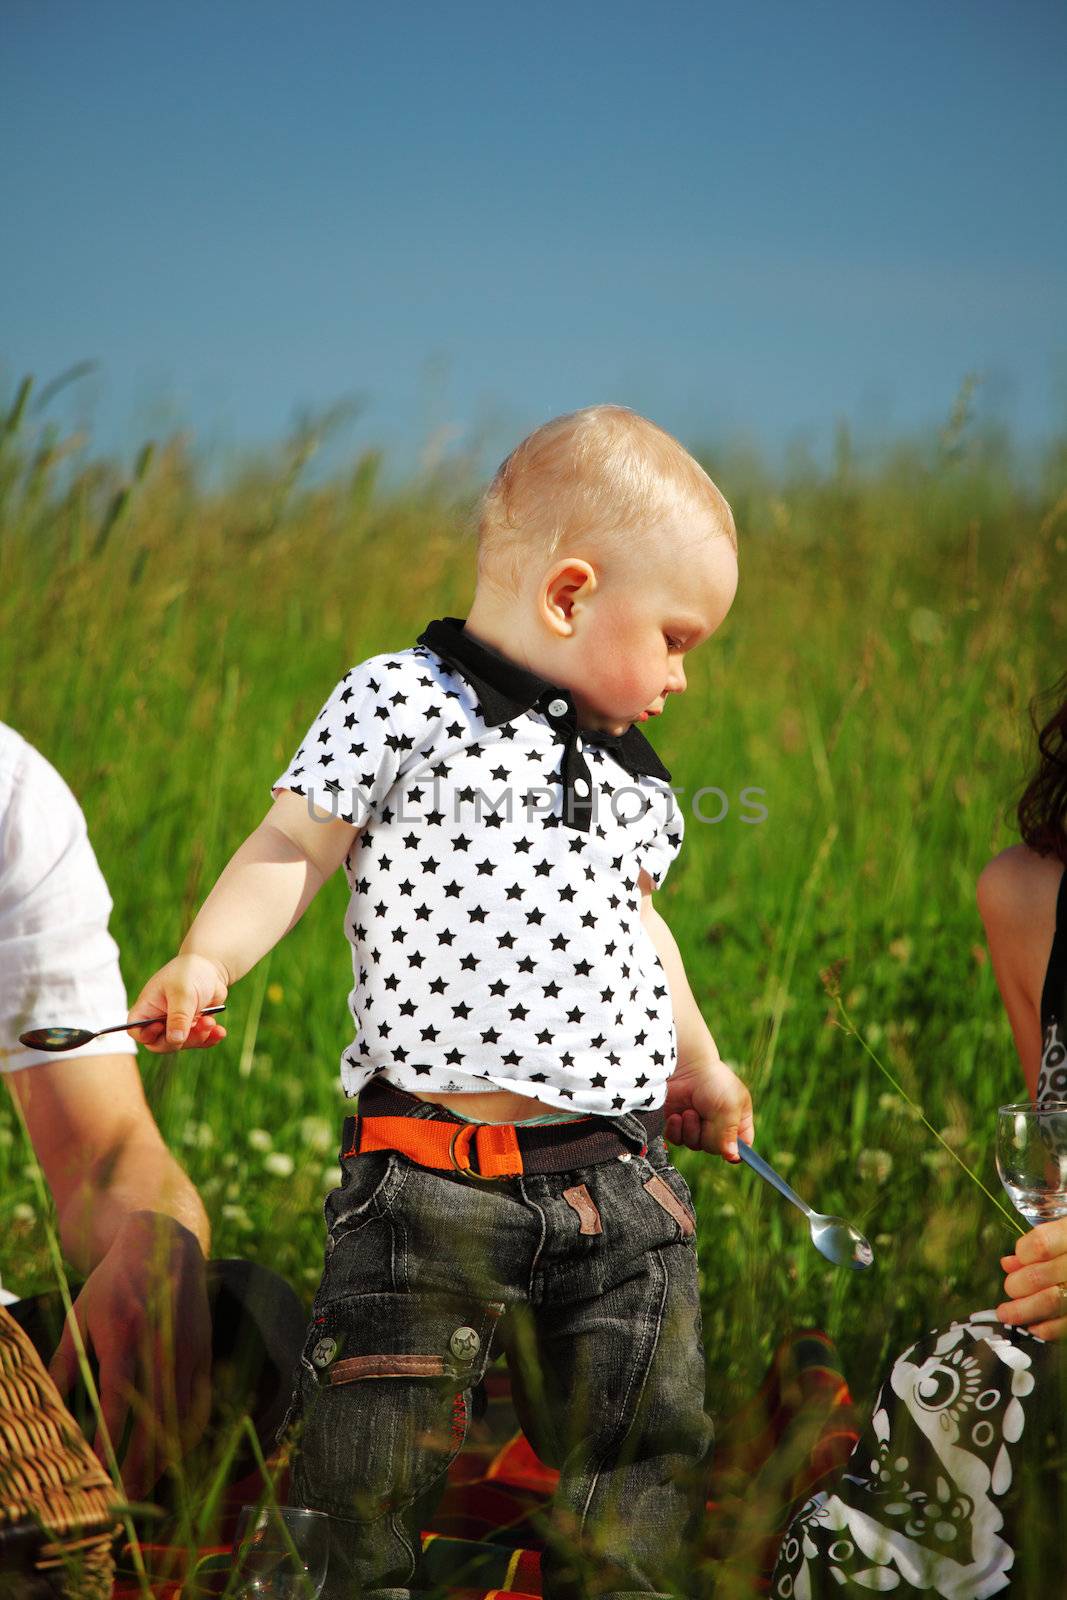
[[495, 1105]]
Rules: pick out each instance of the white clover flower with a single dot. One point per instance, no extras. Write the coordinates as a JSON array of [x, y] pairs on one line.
[[876, 1164], [279, 1164], [239, 1217], [331, 1177], [259, 1139], [22, 1212], [317, 1133]]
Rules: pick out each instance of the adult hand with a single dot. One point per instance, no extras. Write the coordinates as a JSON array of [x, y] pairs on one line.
[[1036, 1281], [707, 1107], [177, 996], [144, 1311]]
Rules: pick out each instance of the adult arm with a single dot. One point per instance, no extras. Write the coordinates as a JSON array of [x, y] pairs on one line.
[[1016, 894], [1017, 900], [131, 1221]]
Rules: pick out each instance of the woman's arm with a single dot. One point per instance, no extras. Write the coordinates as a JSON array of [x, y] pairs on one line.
[[1016, 895]]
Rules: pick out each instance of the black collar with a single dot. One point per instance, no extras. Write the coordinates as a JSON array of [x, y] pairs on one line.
[[505, 690]]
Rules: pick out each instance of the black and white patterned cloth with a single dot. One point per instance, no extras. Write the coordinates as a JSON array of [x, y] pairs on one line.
[[957, 1486], [494, 915]]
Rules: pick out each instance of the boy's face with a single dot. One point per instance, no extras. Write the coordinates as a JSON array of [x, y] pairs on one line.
[[632, 628]]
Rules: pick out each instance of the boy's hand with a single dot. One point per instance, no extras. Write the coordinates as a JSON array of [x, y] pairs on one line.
[[707, 1108], [177, 995]]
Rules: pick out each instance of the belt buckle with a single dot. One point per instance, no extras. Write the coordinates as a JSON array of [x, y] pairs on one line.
[[468, 1172]]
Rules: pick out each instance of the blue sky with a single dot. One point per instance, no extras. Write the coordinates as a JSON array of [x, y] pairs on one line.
[[744, 222]]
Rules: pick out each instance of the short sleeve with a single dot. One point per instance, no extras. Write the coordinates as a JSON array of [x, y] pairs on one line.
[[666, 839], [59, 965], [350, 756]]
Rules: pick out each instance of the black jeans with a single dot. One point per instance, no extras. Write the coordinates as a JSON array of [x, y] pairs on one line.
[[587, 1281], [257, 1326]]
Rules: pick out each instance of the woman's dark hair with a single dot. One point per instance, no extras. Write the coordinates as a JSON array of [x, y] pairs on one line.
[[1042, 811]]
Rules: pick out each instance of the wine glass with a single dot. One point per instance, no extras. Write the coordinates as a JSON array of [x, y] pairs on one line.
[[1032, 1157], [281, 1552]]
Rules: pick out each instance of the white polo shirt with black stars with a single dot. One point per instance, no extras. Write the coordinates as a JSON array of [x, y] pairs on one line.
[[494, 916]]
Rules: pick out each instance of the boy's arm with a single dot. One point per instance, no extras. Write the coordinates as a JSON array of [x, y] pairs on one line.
[[707, 1105], [268, 884], [262, 892]]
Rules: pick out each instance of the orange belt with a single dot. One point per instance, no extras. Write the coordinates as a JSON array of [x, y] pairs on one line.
[[445, 1144]]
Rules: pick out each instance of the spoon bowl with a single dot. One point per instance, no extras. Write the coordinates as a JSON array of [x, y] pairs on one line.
[[71, 1038], [833, 1237], [839, 1241]]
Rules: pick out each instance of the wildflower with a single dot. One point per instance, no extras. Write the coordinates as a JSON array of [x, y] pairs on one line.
[[924, 626], [275, 994], [239, 1217], [22, 1212], [279, 1164], [331, 1177], [259, 1139], [876, 1164], [317, 1133]]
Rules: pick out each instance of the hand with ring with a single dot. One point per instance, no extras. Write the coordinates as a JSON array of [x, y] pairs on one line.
[[1036, 1281]]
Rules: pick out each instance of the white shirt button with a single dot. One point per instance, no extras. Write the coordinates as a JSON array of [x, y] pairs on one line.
[[557, 708], [581, 787]]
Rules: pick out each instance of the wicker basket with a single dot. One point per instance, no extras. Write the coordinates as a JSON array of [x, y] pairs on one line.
[[58, 1517]]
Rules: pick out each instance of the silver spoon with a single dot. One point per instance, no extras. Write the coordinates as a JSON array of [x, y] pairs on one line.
[[71, 1038], [833, 1237]]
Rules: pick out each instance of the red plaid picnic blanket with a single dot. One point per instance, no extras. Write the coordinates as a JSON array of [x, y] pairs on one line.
[[796, 1431]]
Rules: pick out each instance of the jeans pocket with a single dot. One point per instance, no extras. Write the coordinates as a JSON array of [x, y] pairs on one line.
[[388, 1379], [364, 1177], [669, 1188]]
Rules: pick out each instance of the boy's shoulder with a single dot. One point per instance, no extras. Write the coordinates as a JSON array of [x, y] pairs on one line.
[[411, 687], [416, 670]]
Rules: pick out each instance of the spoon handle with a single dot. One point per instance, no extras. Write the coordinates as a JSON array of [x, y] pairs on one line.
[[207, 1012], [765, 1170]]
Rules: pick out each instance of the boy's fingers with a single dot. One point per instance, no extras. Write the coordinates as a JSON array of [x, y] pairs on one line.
[[181, 1011]]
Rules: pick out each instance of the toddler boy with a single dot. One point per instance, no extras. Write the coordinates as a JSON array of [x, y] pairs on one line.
[[526, 1035]]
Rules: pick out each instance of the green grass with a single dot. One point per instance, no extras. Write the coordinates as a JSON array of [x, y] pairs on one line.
[[166, 649]]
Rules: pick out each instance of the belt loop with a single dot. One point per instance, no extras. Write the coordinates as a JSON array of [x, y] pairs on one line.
[[632, 1129]]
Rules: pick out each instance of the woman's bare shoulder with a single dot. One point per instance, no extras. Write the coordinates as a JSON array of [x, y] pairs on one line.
[[1018, 882], [1017, 891]]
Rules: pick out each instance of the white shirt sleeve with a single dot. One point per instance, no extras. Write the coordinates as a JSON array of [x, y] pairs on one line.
[[351, 755], [58, 962]]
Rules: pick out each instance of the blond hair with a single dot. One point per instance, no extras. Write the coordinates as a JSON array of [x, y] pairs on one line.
[[605, 476]]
